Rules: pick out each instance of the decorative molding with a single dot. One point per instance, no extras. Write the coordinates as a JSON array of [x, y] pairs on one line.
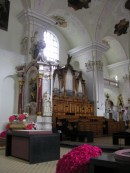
[[29, 15], [99, 65], [118, 64], [90, 65], [89, 46]]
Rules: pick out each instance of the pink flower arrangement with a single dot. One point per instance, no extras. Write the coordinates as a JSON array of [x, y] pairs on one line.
[[3, 134], [77, 160], [12, 118], [30, 126], [19, 117]]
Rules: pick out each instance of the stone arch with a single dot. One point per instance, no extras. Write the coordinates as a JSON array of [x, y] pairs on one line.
[[116, 50]]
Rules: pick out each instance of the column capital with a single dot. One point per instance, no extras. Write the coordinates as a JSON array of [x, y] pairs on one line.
[[40, 75], [90, 65]]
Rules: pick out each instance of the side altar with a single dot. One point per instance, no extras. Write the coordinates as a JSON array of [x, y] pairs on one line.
[[34, 144], [35, 97], [35, 79]]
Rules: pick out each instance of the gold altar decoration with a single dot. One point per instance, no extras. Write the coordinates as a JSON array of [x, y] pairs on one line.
[[17, 125], [20, 121]]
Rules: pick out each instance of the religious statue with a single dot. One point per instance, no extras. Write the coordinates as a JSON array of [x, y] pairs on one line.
[[108, 104], [69, 59], [33, 90], [37, 46], [115, 114], [33, 108], [47, 109], [120, 102]]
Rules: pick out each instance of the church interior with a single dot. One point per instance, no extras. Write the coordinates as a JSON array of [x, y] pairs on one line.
[[65, 74]]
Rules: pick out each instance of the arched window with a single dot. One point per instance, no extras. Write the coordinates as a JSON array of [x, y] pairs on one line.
[[51, 51]]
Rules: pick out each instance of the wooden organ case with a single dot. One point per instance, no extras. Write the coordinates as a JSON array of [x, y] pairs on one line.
[[69, 95]]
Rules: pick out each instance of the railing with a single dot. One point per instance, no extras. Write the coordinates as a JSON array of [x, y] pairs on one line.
[[111, 82]]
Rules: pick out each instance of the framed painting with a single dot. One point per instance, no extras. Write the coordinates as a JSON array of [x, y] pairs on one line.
[[4, 14]]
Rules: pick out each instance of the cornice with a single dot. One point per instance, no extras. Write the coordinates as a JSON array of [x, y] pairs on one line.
[[88, 47], [118, 64], [29, 15]]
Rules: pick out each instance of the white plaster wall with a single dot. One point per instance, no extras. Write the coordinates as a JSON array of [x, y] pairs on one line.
[[11, 39], [9, 58], [8, 84]]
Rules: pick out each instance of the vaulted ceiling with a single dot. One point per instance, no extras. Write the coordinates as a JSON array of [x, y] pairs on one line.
[[94, 20]]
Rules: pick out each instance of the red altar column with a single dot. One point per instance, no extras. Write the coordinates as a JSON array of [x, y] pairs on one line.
[[20, 74], [39, 97], [20, 97]]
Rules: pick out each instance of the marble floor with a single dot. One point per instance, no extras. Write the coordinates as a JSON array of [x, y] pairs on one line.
[[11, 164]]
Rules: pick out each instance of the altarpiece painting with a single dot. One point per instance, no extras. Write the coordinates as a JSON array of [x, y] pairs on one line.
[[4, 14]]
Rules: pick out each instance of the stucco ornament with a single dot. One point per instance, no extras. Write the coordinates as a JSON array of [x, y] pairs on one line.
[[60, 21], [78, 4], [121, 27]]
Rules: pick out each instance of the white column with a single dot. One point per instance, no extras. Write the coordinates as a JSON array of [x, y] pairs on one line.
[[95, 75]]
